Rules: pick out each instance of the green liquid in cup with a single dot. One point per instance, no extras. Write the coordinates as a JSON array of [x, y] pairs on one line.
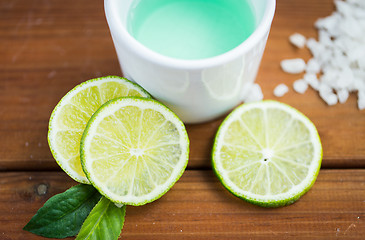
[[191, 29]]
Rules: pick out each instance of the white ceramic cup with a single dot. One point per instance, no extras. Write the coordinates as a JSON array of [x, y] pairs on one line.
[[196, 90]]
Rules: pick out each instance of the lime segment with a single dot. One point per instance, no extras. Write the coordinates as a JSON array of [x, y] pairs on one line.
[[133, 150], [70, 116], [267, 153]]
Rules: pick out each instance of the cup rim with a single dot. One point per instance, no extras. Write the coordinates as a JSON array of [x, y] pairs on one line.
[[116, 25]]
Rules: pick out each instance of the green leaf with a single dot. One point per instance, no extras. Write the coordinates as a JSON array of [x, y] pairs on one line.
[[63, 214], [105, 221]]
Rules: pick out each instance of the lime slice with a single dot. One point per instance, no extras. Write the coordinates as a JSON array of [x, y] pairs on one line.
[[267, 153], [133, 150], [70, 116]]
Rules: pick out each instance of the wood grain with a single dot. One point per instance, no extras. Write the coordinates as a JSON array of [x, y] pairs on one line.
[[48, 47], [198, 207]]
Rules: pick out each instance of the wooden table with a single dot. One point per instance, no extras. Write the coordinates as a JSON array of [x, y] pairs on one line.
[[49, 46]]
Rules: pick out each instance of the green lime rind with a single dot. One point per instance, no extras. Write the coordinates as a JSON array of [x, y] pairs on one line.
[[178, 170], [259, 201], [63, 101]]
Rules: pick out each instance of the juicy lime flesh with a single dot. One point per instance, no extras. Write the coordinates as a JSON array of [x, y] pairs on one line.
[[266, 152], [72, 119], [133, 152]]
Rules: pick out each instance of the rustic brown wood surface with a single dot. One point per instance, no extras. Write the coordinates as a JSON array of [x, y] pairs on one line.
[[198, 207], [49, 46]]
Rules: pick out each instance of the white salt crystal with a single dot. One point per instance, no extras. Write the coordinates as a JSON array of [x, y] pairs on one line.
[[300, 86], [324, 57], [326, 93], [361, 100], [359, 84], [344, 8], [293, 66], [356, 52], [313, 66], [361, 63], [324, 89], [340, 43], [359, 73], [280, 90], [357, 3], [329, 98], [339, 54], [330, 77], [329, 23], [355, 85], [254, 94], [337, 59], [342, 95], [350, 27], [324, 38], [297, 40], [313, 46], [346, 78], [359, 13], [312, 80]]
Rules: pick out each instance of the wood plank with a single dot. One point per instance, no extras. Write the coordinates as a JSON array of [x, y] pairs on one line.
[[47, 47], [198, 207]]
